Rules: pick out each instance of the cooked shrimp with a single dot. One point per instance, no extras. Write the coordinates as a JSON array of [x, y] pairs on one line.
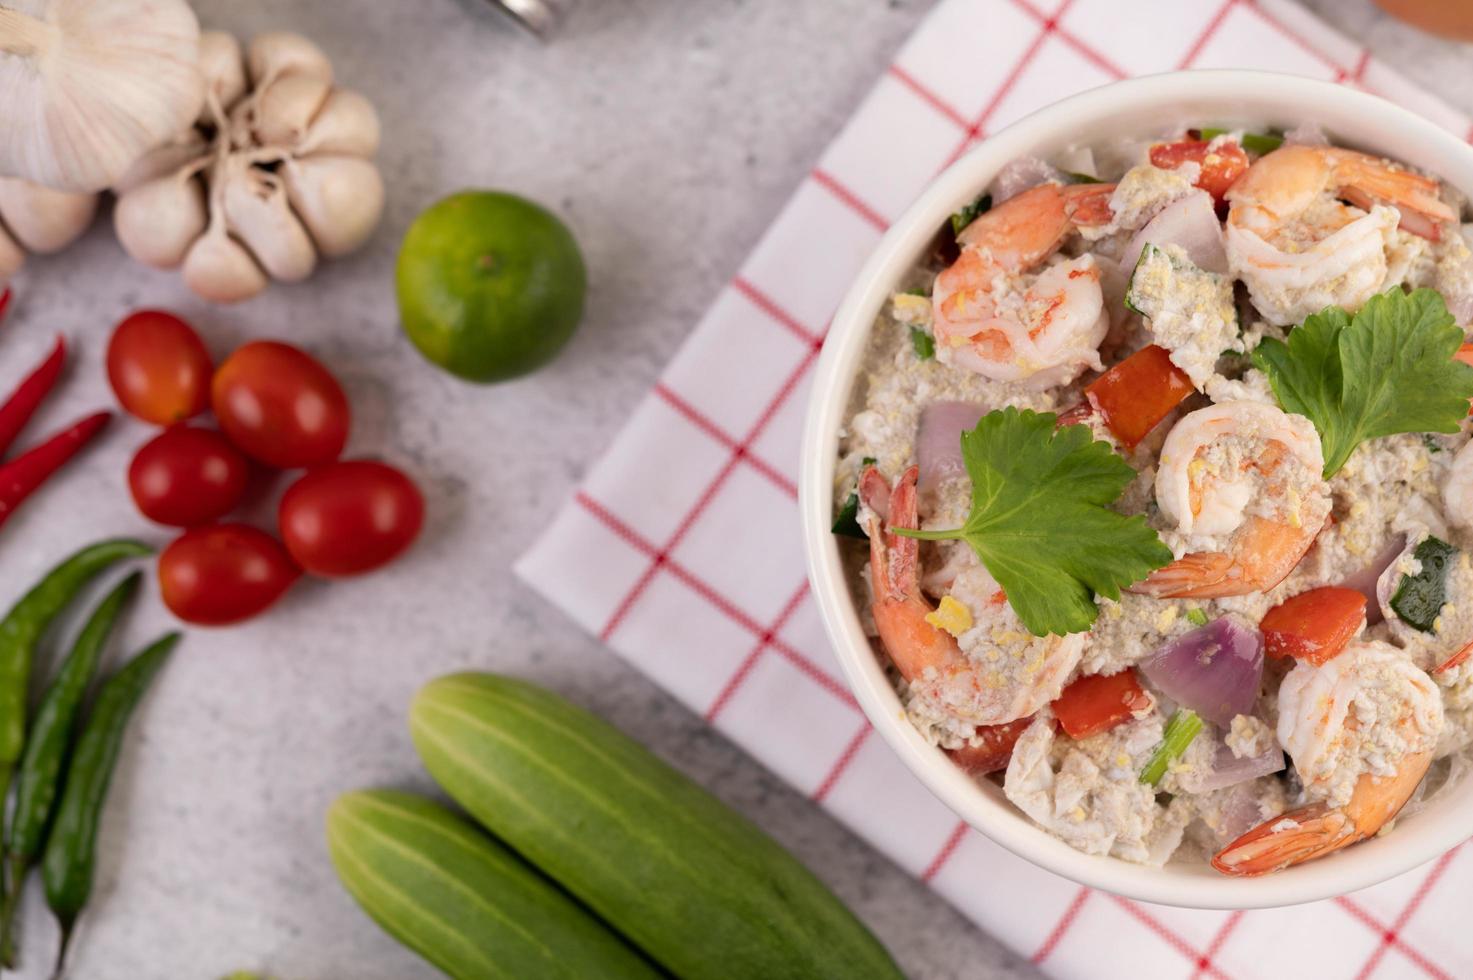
[[993, 316], [1361, 729], [1299, 249], [1008, 674], [1241, 480]]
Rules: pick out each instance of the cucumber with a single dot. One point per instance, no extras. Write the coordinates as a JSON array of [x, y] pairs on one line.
[[463, 901], [700, 889]]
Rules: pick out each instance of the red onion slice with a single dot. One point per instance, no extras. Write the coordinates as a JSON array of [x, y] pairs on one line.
[[1229, 770], [1364, 581], [1214, 670], [939, 441], [1019, 175], [1190, 222]]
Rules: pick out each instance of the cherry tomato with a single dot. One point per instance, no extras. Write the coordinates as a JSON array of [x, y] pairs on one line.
[[280, 406], [187, 475], [350, 517], [158, 368], [223, 573]]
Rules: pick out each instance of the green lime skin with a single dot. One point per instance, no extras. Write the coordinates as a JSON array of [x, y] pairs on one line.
[[491, 285]]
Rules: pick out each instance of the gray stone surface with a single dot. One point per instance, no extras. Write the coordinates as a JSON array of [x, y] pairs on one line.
[[668, 134]]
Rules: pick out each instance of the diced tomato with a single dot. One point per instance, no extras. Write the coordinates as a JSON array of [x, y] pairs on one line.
[[1221, 167], [1314, 626], [1136, 394], [1465, 354], [1097, 703], [1454, 660], [993, 749]]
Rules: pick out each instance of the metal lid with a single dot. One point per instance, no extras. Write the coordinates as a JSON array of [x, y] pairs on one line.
[[537, 16]]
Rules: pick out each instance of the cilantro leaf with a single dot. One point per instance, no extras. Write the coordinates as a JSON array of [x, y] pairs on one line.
[[923, 343], [1041, 521], [1388, 369]]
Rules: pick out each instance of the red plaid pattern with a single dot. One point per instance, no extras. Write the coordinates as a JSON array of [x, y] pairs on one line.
[[682, 548]]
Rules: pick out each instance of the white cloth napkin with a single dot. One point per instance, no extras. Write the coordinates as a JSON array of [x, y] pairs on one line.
[[682, 550]]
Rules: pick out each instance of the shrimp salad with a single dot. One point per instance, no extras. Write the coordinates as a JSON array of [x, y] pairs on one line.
[[1291, 672]]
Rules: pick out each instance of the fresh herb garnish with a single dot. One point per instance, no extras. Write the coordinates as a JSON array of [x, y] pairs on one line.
[[1079, 178], [918, 291], [1259, 143], [1041, 520], [968, 214], [924, 344], [846, 523], [1419, 598], [1388, 369], [1430, 443], [1196, 617], [1183, 726]]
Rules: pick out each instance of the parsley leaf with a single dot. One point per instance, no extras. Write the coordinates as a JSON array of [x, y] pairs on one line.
[[1041, 521], [1388, 369]]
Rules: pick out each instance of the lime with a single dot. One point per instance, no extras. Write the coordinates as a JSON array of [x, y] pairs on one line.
[[490, 285]]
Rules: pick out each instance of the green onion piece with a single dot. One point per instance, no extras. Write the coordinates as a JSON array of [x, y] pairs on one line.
[[1180, 730], [968, 214], [1419, 598], [1257, 143], [1079, 178], [1197, 617], [1430, 443], [924, 344], [917, 291]]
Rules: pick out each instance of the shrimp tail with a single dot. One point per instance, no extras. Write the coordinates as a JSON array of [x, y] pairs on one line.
[[1319, 829], [1299, 836], [1199, 575]]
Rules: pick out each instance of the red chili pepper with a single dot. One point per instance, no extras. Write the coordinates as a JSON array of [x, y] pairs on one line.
[[1220, 168], [993, 749], [21, 405], [1134, 395], [1096, 703], [1314, 626], [21, 476]]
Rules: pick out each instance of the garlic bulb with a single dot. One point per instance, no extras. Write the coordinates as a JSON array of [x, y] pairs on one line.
[[38, 219], [88, 86], [276, 175]]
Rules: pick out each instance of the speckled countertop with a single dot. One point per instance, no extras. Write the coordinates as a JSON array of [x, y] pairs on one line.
[[669, 135]]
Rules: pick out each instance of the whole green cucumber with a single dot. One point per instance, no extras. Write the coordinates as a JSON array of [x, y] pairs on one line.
[[461, 900], [700, 889]]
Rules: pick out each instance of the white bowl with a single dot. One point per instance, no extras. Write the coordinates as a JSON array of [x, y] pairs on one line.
[[1145, 105]]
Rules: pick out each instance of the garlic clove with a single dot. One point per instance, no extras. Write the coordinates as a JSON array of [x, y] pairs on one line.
[[159, 220], [339, 198], [88, 86], [12, 256], [257, 212], [220, 269], [183, 151], [223, 66], [43, 220], [346, 124], [286, 107], [277, 53]]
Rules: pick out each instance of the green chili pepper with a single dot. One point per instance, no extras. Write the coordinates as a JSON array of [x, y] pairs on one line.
[[39, 776], [71, 847], [1197, 617], [1419, 598], [23, 626], [1255, 143]]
